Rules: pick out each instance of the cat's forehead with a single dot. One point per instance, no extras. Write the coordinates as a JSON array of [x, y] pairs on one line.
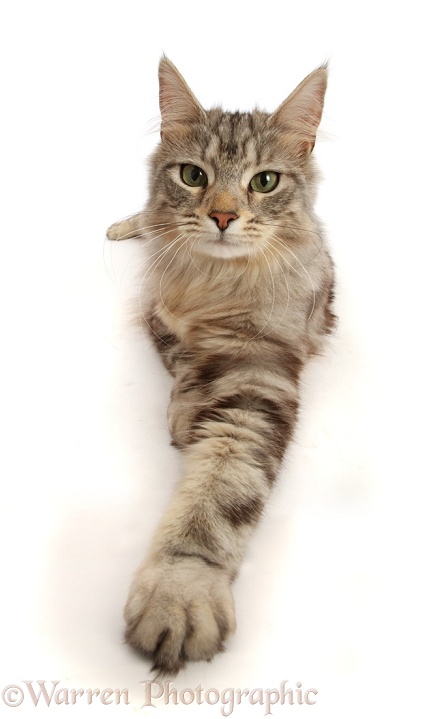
[[235, 139]]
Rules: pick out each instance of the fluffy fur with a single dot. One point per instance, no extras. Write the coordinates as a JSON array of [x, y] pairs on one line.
[[235, 313]]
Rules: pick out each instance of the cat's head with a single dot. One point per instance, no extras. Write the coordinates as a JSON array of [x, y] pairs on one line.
[[236, 184]]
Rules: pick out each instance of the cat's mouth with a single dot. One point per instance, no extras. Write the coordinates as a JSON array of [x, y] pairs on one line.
[[222, 245], [223, 240]]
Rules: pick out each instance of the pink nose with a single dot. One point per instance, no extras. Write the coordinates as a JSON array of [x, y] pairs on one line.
[[223, 218]]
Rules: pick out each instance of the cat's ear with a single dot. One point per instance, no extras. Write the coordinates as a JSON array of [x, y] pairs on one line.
[[300, 114], [178, 105]]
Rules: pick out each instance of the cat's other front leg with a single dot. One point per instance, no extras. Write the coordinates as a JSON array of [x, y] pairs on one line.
[[127, 228]]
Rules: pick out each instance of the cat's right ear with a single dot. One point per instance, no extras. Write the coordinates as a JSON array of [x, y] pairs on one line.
[[178, 105]]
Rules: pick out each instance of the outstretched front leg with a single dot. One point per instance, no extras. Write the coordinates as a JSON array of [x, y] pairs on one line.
[[233, 434], [127, 228]]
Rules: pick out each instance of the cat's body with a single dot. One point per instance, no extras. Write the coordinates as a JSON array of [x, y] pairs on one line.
[[239, 298]]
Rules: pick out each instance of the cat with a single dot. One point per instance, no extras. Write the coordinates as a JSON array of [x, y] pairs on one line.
[[241, 289]]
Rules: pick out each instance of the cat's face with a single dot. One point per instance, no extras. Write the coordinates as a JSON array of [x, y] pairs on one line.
[[232, 184]]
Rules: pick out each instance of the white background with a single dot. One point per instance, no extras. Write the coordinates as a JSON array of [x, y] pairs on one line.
[[332, 592]]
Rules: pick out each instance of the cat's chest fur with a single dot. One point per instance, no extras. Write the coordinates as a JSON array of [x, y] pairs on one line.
[[239, 303]]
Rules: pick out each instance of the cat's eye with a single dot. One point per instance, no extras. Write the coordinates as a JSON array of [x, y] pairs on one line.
[[193, 176], [264, 181]]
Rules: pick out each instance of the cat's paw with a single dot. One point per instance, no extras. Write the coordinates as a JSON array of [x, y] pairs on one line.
[[126, 229], [178, 612], [115, 231]]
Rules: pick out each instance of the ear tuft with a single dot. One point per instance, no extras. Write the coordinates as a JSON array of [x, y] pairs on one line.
[[178, 105]]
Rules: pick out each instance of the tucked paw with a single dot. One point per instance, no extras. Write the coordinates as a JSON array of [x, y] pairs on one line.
[[126, 229], [178, 611], [115, 231]]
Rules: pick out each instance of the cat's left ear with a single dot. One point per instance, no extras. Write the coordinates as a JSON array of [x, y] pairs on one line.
[[300, 114], [178, 105]]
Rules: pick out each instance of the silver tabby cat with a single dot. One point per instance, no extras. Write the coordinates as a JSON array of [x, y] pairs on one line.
[[240, 291]]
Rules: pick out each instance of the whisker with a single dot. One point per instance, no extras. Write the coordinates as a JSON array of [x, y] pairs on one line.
[[286, 246], [138, 232], [291, 226], [160, 252], [164, 251], [281, 244], [112, 278], [170, 244], [258, 334], [270, 249], [299, 228], [141, 312], [161, 280], [131, 259]]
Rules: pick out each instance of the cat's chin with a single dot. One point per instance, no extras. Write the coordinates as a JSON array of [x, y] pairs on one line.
[[222, 249]]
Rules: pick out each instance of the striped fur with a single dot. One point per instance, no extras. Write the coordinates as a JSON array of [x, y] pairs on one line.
[[235, 314]]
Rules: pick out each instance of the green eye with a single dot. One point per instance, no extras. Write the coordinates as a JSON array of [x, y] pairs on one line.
[[264, 181], [193, 176]]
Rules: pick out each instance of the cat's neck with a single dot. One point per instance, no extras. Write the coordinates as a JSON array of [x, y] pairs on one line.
[[199, 271]]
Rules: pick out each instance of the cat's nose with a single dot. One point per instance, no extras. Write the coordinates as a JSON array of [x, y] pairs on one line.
[[223, 218]]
